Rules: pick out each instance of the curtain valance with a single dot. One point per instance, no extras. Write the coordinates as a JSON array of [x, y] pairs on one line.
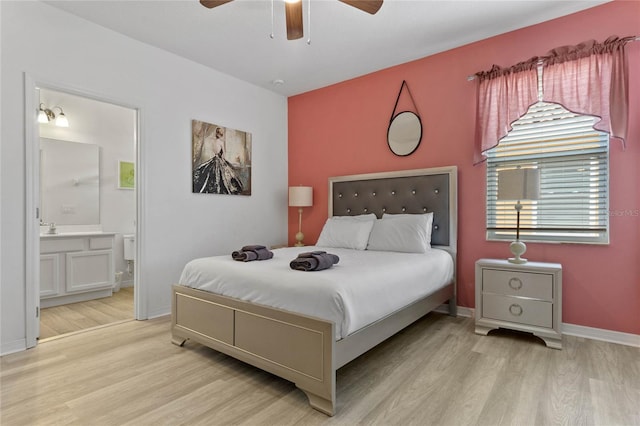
[[589, 78]]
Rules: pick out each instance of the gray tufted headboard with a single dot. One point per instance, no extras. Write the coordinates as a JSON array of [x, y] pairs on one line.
[[408, 191]]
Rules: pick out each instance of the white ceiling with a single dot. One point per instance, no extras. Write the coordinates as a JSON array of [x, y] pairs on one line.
[[345, 42]]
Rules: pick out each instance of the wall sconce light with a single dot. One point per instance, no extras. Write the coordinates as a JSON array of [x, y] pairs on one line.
[[45, 115]]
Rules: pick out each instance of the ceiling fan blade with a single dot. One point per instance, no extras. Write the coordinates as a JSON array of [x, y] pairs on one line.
[[369, 6], [213, 3], [294, 20]]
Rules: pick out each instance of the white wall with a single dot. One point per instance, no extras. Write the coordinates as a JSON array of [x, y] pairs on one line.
[[174, 224], [113, 129]]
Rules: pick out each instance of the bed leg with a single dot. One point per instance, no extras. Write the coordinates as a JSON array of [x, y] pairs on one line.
[[324, 405], [453, 307], [179, 341]]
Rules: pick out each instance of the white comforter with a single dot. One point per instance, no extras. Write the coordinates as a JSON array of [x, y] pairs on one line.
[[362, 288]]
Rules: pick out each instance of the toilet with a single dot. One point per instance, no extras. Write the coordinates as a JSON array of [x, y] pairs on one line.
[[129, 247]]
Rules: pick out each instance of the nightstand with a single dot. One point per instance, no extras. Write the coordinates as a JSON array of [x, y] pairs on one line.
[[526, 297]]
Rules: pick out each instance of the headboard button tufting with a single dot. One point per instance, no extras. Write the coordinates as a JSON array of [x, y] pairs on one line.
[[383, 195]]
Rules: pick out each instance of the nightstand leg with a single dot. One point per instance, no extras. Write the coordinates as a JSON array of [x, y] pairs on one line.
[[480, 329], [551, 342]]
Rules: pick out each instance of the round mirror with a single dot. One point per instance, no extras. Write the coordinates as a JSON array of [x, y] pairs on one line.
[[405, 133]]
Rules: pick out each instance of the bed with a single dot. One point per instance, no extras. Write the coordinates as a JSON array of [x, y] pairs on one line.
[[305, 346]]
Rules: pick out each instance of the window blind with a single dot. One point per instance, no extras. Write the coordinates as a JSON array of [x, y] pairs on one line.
[[573, 161]]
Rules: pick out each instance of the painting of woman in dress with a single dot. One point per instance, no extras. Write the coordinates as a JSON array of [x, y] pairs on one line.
[[221, 159]]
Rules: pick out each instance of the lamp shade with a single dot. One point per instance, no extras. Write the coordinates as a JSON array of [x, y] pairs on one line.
[[519, 184], [300, 196], [61, 120], [42, 116]]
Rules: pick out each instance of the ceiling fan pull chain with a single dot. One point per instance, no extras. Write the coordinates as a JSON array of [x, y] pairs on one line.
[[309, 21], [271, 35]]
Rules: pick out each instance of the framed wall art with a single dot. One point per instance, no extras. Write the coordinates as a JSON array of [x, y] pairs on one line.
[[221, 159], [126, 175]]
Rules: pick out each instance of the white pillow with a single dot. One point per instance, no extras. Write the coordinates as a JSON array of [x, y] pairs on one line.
[[429, 217], [407, 233], [350, 232]]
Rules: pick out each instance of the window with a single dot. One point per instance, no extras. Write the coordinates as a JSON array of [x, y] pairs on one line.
[[573, 163], [567, 153]]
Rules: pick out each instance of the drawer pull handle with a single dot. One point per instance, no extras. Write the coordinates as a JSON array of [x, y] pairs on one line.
[[515, 283], [515, 310]]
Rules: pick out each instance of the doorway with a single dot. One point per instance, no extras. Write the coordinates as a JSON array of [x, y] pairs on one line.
[[81, 276]]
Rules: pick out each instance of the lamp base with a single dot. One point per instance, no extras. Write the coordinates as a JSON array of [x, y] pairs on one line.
[[299, 238], [518, 248]]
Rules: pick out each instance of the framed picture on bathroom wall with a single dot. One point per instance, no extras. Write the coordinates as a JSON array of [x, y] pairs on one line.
[[221, 159], [126, 175]]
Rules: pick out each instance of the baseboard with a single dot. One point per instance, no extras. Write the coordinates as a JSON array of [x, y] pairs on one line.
[[161, 312], [608, 336], [601, 334], [462, 311], [466, 312]]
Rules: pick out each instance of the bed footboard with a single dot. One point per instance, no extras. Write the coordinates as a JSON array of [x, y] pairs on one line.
[[295, 347]]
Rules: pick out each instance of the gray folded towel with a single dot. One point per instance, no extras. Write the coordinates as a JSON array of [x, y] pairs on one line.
[[314, 261], [252, 252], [253, 247]]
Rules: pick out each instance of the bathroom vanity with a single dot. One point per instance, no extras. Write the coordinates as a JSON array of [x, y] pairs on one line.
[[75, 267]]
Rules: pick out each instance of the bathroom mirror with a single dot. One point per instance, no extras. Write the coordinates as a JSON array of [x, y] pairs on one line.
[[69, 182], [404, 133]]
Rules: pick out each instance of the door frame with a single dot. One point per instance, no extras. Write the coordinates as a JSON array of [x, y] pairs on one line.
[[32, 201]]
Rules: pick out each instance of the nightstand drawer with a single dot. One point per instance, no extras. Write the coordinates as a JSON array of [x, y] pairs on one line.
[[517, 283], [513, 309]]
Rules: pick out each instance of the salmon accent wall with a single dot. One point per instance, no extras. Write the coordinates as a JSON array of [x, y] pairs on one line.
[[341, 130]]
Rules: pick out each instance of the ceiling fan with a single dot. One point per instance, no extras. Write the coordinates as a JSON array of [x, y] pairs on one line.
[[293, 11]]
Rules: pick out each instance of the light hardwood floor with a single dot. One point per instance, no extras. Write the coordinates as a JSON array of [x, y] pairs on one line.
[[436, 371], [75, 317]]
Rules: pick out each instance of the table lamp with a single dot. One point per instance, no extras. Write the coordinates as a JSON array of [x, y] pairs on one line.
[[518, 184], [300, 196]]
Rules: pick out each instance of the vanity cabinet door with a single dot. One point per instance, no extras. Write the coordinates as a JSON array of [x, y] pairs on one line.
[[49, 275], [89, 270], [75, 267]]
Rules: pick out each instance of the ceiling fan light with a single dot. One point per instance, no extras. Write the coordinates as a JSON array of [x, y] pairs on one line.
[[292, 1]]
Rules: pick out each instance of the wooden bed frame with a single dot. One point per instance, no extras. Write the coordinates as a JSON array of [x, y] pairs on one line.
[[303, 349]]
